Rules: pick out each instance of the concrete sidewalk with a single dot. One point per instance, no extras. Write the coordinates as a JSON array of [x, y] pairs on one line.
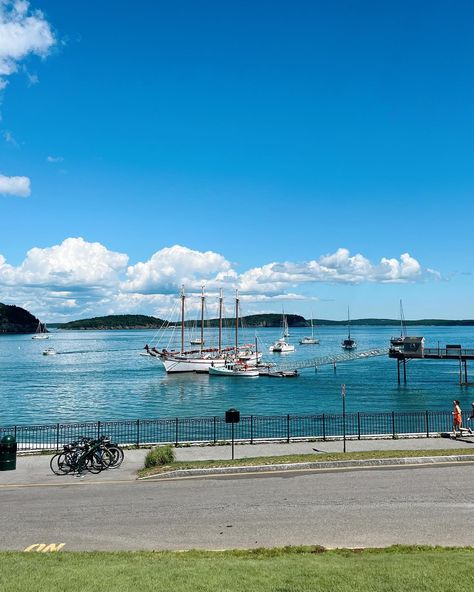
[[33, 469]]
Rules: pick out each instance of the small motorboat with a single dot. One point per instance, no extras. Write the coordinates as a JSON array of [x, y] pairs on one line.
[[283, 374], [236, 370], [196, 342], [50, 351]]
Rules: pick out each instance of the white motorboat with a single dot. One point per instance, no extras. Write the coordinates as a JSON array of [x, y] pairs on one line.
[[310, 340], [41, 331], [235, 370], [196, 342], [50, 351], [348, 343], [283, 374], [281, 347]]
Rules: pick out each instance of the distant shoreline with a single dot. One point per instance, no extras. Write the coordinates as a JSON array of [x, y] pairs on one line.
[[262, 322]]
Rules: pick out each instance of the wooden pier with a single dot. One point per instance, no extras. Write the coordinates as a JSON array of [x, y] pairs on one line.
[[450, 352]]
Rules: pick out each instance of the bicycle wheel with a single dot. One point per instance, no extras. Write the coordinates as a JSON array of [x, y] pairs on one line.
[[93, 464], [117, 456], [106, 457], [59, 464]]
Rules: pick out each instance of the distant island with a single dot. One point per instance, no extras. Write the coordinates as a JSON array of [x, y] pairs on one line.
[[113, 322], [116, 322], [14, 320]]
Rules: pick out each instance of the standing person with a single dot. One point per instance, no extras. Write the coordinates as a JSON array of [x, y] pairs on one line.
[[457, 417]]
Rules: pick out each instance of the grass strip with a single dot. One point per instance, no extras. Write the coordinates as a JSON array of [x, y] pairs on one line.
[[293, 569], [302, 458]]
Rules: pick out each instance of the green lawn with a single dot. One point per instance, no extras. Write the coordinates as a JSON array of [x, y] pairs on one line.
[[396, 569], [299, 458]]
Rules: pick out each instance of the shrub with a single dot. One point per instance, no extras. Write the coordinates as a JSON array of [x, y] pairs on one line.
[[161, 455]]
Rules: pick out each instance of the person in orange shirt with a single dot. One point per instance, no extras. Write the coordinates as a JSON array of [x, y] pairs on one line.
[[457, 418]]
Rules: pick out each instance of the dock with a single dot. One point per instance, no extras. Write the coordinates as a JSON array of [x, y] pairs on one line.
[[449, 352], [332, 359]]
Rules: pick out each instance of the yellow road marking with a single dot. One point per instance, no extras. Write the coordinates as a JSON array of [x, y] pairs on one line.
[[44, 548]]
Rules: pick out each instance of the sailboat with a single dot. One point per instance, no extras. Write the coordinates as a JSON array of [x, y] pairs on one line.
[[348, 343], [286, 332], [310, 340], [202, 359], [396, 342], [41, 331], [281, 346]]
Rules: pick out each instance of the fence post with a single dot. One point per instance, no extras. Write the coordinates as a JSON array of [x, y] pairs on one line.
[[57, 436], [393, 425], [288, 428], [427, 424], [215, 429], [358, 425], [324, 428], [177, 428], [14, 431], [98, 430], [251, 429], [138, 433]]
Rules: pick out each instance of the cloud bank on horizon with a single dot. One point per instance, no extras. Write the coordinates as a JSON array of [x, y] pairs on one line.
[[78, 278], [23, 32]]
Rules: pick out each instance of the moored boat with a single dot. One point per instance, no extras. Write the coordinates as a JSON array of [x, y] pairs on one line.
[[310, 340], [41, 331], [234, 370], [348, 343]]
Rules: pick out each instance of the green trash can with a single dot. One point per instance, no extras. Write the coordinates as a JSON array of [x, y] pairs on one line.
[[8, 449]]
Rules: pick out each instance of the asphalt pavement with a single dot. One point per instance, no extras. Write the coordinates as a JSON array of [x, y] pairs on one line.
[[371, 507]]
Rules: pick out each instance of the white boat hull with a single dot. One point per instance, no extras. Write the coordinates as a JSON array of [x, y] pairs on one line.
[[176, 364], [40, 336], [249, 373]]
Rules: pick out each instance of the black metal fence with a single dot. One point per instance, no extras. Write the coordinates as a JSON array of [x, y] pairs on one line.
[[252, 428]]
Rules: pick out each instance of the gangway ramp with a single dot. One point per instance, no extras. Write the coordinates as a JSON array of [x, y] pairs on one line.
[[331, 359]]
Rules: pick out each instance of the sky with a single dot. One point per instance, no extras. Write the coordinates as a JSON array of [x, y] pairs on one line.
[[313, 154]]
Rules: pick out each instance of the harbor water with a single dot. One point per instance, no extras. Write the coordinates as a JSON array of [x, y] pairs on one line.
[[99, 375]]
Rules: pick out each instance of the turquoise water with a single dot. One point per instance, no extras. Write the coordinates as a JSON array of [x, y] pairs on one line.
[[98, 375]]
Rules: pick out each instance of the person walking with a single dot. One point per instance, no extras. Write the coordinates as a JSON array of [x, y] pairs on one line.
[[457, 417]]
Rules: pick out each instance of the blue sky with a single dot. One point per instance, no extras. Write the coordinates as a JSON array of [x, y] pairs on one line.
[[295, 150]]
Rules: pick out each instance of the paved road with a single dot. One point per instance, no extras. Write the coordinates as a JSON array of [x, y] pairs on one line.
[[433, 505]]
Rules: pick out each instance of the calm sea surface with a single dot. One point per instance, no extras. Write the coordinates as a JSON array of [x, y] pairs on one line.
[[99, 375]]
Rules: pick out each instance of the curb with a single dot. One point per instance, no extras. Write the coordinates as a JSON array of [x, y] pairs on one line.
[[337, 464]]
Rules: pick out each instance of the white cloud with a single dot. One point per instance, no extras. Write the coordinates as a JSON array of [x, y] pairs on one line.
[[22, 32], [75, 263], [78, 278], [55, 159], [19, 186], [338, 267], [168, 268]]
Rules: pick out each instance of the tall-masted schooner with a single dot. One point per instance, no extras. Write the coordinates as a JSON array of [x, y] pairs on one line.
[[200, 360]]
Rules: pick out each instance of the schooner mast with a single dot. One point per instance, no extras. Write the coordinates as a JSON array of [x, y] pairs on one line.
[[203, 298], [183, 297], [236, 321], [220, 322]]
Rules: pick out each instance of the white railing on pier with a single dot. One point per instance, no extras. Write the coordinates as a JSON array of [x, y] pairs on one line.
[[332, 359]]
